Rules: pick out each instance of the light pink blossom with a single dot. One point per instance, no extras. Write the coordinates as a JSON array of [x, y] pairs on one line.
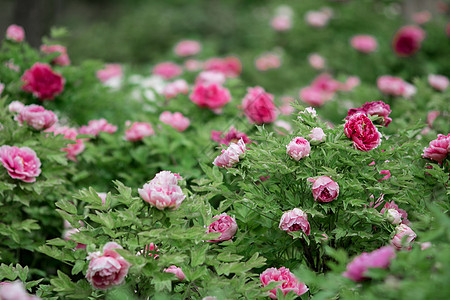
[[2, 88], [393, 216], [268, 61], [392, 205], [317, 19], [68, 236], [298, 148], [21, 163], [431, 116], [187, 48], [317, 135], [109, 72], [138, 130], [364, 43], [15, 291], [438, 148], [225, 225], [15, 33], [167, 70], [172, 89], [16, 106], [295, 220], [231, 155], [281, 23], [37, 117], [230, 66], [288, 282], [193, 65], [438, 82], [316, 61], [94, 127], [62, 59], [404, 237], [422, 17], [324, 189], [177, 271], [72, 149], [176, 120], [209, 77]]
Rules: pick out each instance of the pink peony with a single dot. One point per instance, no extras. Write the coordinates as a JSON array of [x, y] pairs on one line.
[[298, 148], [208, 77], [224, 224], [364, 43], [187, 48], [431, 116], [281, 23], [177, 271], [392, 205], [438, 148], [316, 61], [407, 41], [15, 33], [107, 269], [167, 70], [42, 82], [16, 106], [309, 110], [21, 163], [94, 127], [37, 117], [392, 86], [325, 83], [350, 83], [138, 130], [109, 72], [71, 134], [68, 236], [393, 216], [212, 96], [231, 155], [232, 136], [172, 90], [317, 135], [62, 59], [360, 129], [163, 191], [176, 120], [378, 108], [317, 19], [422, 17], [295, 220], [192, 65], [282, 127], [14, 291], [315, 96], [324, 189], [258, 106], [404, 237], [230, 66], [438, 82], [287, 108], [288, 282], [358, 267], [2, 88], [268, 61]]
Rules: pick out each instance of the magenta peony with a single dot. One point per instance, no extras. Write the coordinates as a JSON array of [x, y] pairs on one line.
[[360, 129], [224, 224], [21, 163], [288, 282], [212, 96], [42, 82], [407, 41], [295, 220], [378, 108], [258, 106]]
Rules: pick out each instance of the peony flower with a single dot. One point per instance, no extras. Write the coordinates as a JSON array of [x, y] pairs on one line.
[[212, 96], [350, 83], [258, 106], [281, 23], [107, 269], [317, 19], [364, 43], [229, 66], [21, 163], [317, 135], [42, 82], [404, 237], [298, 148], [438, 148], [71, 134], [268, 61], [15, 33], [110, 72], [325, 83], [68, 236], [287, 108], [358, 267], [316, 61], [187, 48], [231, 155], [163, 191], [285, 126], [422, 17], [94, 127], [324, 189], [431, 116], [176, 120], [309, 110], [224, 224], [37, 117], [177, 271], [392, 205], [208, 77], [14, 291], [393, 216], [138, 130], [16, 106], [407, 41], [360, 129], [315, 96], [193, 65], [438, 82], [179, 86], [167, 70], [232, 136], [295, 220], [378, 108], [62, 59], [392, 86], [288, 282]]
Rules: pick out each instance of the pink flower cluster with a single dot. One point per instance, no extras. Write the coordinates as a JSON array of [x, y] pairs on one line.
[[408, 40], [15, 33], [268, 61], [324, 189], [358, 267], [230, 66], [378, 108], [69, 133], [15, 291], [225, 225], [163, 191], [172, 89], [187, 48], [94, 127], [231, 155], [167, 70], [62, 59], [295, 220], [212, 96], [298, 148], [364, 43], [360, 129], [288, 282], [232, 136], [107, 269], [176, 120], [36, 116], [138, 130], [42, 81], [438, 149], [21, 163], [395, 86], [258, 106], [404, 237]]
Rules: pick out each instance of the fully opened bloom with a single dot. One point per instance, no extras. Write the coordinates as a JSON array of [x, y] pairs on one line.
[[172, 89], [438, 148], [21, 163], [107, 269], [378, 108], [404, 237], [212, 96], [298, 148], [163, 191], [187, 48], [438, 82], [295, 220], [316, 61], [231, 155], [37, 117], [230, 66], [317, 135], [360, 129], [167, 70], [324, 189], [288, 282], [258, 106], [395, 86], [224, 224], [110, 72], [42, 81], [408, 40], [15, 33]]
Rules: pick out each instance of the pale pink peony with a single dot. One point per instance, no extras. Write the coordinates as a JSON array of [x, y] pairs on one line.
[[212, 96], [408, 40], [37, 117], [298, 148], [172, 90], [187, 48], [317, 135], [285, 126], [138, 130], [15, 33], [324, 189], [21, 163], [15, 291], [425, 245], [71, 134], [232, 136], [192, 65], [317, 19], [431, 116], [176, 120], [392, 205], [438, 148], [360, 129], [326, 83], [364, 43], [378, 108], [438, 82], [316, 61], [231, 155], [309, 110], [163, 191], [230, 66], [358, 267], [107, 269], [109, 72], [62, 59], [224, 224], [350, 83], [42, 82], [295, 220], [268, 61], [68, 236], [393, 216], [258, 106], [12, 66], [16, 106], [281, 23], [392, 86], [315, 96], [404, 237], [208, 77], [167, 70], [288, 282], [94, 127], [177, 271]]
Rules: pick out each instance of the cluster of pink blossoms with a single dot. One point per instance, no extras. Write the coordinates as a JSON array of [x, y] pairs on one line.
[[94, 127]]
